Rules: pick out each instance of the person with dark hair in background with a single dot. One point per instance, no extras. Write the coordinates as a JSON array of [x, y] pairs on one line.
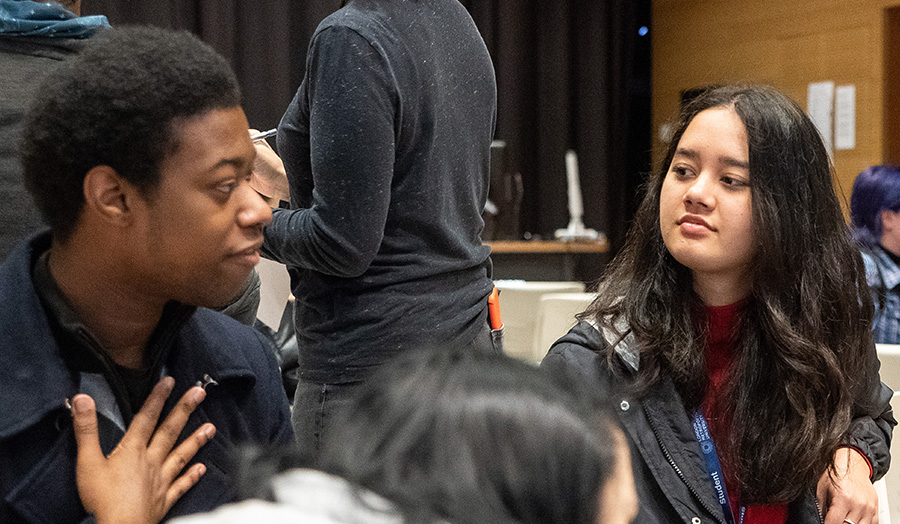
[[386, 147], [34, 38], [875, 216], [733, 329], [459, 437], [137, 154]]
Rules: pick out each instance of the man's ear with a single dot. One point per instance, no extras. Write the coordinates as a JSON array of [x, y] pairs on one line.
[[109, 195]]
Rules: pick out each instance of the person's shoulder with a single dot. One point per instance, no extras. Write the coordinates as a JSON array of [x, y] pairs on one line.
[[247, 511], [204, 316], [580, 354], [308, 496], [583, 339], [380, 27], [224, 339], [347, 19]]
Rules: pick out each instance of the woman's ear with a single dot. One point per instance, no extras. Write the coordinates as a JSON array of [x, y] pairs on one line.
[[107, 195]]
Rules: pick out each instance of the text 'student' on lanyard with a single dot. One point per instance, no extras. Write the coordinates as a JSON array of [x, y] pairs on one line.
[[701, 431]]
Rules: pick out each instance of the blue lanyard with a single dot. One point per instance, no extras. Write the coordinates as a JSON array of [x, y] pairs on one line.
[[701, 430]]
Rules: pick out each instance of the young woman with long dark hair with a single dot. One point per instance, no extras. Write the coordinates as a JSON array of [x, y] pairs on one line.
[[734, 328]]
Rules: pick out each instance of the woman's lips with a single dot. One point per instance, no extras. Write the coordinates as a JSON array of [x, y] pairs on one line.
[[693, 225]]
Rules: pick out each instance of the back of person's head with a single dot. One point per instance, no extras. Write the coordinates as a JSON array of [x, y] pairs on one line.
[[472, 437], [115, 104], [875, 190]]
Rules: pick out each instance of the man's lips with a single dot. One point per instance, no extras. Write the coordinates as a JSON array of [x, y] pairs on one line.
[[695, 221], [248, 251]]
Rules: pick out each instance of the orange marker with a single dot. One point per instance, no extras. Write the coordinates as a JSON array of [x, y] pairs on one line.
[[494, 309]]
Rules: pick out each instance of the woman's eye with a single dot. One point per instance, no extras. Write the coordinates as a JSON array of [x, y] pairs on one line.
[[733, 182], [680, 171]]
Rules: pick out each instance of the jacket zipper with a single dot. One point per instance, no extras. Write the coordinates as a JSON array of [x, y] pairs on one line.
[[818, 508], [680, 473]]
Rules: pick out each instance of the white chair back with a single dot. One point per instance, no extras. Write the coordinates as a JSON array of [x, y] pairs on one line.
[[555, 316], [519, 301], [274, 290], [889, 487]]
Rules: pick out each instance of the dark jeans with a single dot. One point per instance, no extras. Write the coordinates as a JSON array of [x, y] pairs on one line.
[[316, 405]]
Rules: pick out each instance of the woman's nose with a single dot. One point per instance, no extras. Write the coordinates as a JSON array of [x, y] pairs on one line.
[[699, 193]]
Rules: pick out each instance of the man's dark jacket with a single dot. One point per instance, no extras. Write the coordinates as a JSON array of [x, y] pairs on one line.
[[37, 443]]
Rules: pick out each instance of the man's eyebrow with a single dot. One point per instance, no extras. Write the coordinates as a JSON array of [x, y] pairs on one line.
[[236, 162], [727, 160]]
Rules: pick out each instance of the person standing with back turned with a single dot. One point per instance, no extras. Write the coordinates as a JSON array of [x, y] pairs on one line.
[[386, 147]]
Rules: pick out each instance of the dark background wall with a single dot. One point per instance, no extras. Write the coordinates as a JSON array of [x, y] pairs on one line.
[[571, 74]]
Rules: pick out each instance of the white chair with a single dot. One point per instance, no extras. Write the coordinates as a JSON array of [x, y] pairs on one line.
[[274, 290], [556, 315], [518, 308], [889, 355], [889, 487], [884, 510]]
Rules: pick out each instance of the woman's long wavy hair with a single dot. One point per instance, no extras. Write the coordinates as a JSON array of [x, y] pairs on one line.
[[804, 342]]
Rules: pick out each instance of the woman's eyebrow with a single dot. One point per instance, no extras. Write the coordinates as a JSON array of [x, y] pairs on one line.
[[690, 153], [723, 159], [734, 162]]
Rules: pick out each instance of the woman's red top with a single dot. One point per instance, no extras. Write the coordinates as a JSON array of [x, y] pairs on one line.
[[721, 352]]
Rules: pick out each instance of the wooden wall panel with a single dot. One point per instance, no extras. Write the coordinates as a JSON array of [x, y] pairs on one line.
[[785, 44]]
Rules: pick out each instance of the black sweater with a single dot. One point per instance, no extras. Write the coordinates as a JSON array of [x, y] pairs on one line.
[[387, 145]]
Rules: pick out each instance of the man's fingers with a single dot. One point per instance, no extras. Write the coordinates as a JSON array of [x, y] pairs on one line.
[[145, 421], [167, 433], [182, 484], [84, 421], [180, 456]]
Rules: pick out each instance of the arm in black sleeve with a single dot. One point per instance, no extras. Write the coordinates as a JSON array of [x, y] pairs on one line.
[[349, 149]]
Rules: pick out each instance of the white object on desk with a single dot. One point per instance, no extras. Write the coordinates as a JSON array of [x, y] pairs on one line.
[[576, 229]]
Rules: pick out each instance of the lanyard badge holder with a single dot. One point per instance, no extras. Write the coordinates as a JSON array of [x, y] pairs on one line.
[[713, 467]]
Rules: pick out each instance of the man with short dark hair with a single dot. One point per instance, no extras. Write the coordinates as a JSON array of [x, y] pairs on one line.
[[138, 156]]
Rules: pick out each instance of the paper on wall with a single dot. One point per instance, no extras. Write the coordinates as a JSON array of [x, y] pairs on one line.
[[845, 117], [820, 106]]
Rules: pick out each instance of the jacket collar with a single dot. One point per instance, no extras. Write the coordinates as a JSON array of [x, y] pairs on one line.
[[34, 379], [623, 345]]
